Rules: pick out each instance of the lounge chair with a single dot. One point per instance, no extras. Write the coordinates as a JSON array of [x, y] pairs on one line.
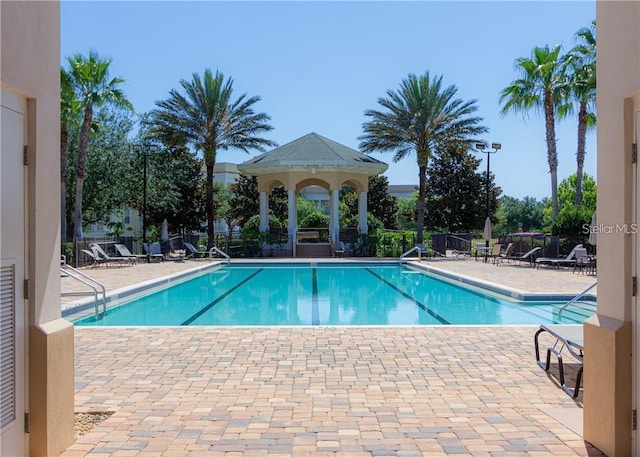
[[508, 252], [109, 259], [153, 250], [95, 260], [559, 261], [192, 251], [124, 252], [569, 337], [527, 257]]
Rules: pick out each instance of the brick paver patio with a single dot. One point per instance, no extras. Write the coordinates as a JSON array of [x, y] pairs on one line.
[[345, 391]]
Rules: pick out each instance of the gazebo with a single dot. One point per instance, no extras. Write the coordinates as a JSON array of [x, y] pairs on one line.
[[313, 160]]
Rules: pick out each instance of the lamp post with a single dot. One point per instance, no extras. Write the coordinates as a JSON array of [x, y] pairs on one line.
[[138, 148], [482, 147]]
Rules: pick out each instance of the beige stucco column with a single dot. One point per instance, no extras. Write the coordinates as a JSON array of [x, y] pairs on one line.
[[362, 213], [608, 378], [264, 211]]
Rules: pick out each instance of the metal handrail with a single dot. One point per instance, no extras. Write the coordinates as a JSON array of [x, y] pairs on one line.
[[418, 249], [576, 298], [221, 252], [87, 281]]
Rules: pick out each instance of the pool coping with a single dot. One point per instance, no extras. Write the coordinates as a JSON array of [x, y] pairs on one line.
[[77, 310], [503, 291]]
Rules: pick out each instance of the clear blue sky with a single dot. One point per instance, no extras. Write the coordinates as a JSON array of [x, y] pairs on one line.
[[317, 66]]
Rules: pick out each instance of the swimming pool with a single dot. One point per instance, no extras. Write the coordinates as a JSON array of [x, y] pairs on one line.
[[369, 294]]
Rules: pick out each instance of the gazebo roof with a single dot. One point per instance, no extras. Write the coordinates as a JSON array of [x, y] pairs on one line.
[[313, 150]]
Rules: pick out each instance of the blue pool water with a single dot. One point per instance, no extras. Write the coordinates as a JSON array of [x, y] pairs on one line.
[[326, 295]]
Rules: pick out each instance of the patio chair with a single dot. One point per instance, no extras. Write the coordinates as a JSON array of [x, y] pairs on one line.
[[153, 251], [584, 262], [109, 259], [566, 337], [495, 250], [527, 257], [192, 251], [124, 252], [559, 261], [508, 252]]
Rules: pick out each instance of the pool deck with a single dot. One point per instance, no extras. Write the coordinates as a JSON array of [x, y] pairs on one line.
[[320, 391]]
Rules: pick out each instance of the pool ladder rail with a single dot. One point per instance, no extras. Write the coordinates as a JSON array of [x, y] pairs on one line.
[[417, 248], [95, 286], [219, 251], [576, 298]]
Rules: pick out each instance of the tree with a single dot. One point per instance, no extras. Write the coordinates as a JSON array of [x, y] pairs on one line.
[[90, 80], [109, 180], [581, 68], [457, 192], [175, 189], [206, 117], [245, 201], [69, 111], [279, 203], [305, 207], [380, 203], [512, 212], [224, 196], [424, 117], [407, 212], [542, 86], [571, 217]]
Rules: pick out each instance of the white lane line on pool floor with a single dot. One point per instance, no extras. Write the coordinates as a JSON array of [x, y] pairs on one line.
[[430, 312], [220, 298]]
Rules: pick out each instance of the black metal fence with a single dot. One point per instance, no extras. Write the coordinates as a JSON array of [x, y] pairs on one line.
[[386, 243]]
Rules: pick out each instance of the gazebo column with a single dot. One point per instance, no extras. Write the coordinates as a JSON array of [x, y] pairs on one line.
[[362, 213], [292, 206], [264, 212], [335, 222]]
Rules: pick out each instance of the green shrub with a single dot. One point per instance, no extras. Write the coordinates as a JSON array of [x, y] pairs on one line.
[[315, 220], [67, 250]]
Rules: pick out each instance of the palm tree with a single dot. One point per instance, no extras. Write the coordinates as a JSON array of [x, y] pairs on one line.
[[581, 70], [93, 88], [68, 112], [424, 117], [541, 86], [206, 117]]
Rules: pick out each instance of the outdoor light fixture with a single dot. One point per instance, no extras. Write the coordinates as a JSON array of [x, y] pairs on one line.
[[139, 149], [482, 147]]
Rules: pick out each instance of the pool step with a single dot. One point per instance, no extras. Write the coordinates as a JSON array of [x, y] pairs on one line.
[[313, 250], [578, 311]]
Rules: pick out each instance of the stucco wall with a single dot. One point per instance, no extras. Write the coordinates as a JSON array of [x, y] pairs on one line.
[[608, 370], [618, 77], [31, 67]]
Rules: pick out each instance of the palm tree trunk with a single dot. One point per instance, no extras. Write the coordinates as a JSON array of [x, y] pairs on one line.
[[582, 135], [209, 198], [85, 134], [552, 153], [422, 190], [64, 135]]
